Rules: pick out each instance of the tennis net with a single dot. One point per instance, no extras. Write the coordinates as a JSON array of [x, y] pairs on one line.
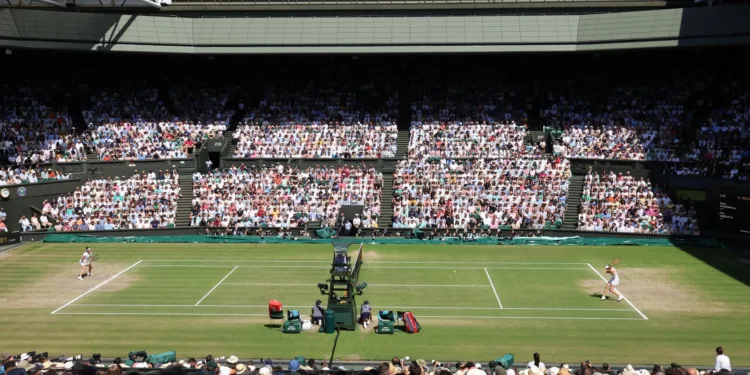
[[357, 264]]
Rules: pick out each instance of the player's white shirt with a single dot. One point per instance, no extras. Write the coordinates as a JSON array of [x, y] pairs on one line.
[[615, 280], [86, 258]]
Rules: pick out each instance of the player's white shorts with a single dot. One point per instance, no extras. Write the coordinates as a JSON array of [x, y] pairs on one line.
[[615, 282], [84, 263]]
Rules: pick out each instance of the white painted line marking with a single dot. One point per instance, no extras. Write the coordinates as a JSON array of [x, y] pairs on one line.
[[329, 262], [623, 295], [370, 285], [493, 288], [367, 267], [628, 310], [96, 287], [421, 316], [216, 286]]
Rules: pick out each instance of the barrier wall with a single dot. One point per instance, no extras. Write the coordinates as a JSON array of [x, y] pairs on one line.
[[22, 197], [557, 241]]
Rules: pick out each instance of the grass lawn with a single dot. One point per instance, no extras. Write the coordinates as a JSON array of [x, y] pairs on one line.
[[473, 302]]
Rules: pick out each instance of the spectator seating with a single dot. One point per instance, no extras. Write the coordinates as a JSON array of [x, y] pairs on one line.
[[143, 200], [203, 104], [468, 140], [31, 175], [283, 197], [334, 103], [151, 140], [621, 203], [316, 141], [481, 193], [34, 129], [634, 123]]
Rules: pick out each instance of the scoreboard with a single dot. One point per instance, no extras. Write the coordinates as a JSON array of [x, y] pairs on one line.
[[734, 212]]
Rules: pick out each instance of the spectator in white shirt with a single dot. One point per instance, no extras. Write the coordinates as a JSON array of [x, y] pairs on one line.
[[537, 362], [722, 361]]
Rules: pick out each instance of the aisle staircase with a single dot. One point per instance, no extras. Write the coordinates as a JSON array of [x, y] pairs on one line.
[[402, 144], [575, 189], [184, 204], [386, 201]]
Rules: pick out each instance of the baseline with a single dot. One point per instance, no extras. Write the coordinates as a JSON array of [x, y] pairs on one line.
[[381, 307], [420, 317], [368, 267], [623, 295], [368, 262], [95, 288]]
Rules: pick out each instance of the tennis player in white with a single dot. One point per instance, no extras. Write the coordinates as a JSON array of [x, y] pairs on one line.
[[85, 263], [612, 284]]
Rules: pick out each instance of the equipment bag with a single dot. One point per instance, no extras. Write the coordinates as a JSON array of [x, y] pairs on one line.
[[410, 323], [506, 361]]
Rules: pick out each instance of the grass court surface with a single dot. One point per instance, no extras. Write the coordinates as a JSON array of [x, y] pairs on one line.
[[473, 302]]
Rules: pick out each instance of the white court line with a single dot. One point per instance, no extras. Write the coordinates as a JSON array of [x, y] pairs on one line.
[[623, 296], [367, 267], [493, 288], [380, 307], [370, 285], [96, 287], [216, 286], [329, 262], [421, 316]]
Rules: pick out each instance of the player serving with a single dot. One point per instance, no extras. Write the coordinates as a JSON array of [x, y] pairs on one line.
[[611, 285], [85, 263]]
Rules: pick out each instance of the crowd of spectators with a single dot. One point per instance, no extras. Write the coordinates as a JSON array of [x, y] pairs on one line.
[[284, 197], [34, 130], [469, 140], [480, 193], [141, 201], [138, 362], [151, 140], [203, 104], [314, 140], [17, 175], [616, 202], [632, 123], [138, 125]]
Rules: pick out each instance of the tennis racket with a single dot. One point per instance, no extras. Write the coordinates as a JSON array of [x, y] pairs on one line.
[[95, 257], [616, 261]]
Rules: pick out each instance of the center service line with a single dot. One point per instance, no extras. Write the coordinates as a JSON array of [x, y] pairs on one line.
[[493, 288], [217, 285]]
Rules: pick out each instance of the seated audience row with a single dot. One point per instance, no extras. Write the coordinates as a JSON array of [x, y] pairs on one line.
[[283, 197], [32, 175], [482, 193], [316, 141], [151, 140], [468, 140], [633, 123], [34, 130], [621, 203], [143, 200]]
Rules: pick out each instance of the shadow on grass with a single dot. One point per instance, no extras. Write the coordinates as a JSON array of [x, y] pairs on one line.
[[730, 256]]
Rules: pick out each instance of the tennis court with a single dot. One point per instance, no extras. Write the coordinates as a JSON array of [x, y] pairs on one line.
[[474, 302], [445, 290]]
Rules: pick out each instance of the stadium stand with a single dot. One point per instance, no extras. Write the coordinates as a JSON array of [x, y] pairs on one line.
[[22, 175], [316, 141], [36, 128], [621, 203], [283, 197], [480, 194], [143, 200]]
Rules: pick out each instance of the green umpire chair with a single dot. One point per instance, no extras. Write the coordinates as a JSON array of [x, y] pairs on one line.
[[386, 322]]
